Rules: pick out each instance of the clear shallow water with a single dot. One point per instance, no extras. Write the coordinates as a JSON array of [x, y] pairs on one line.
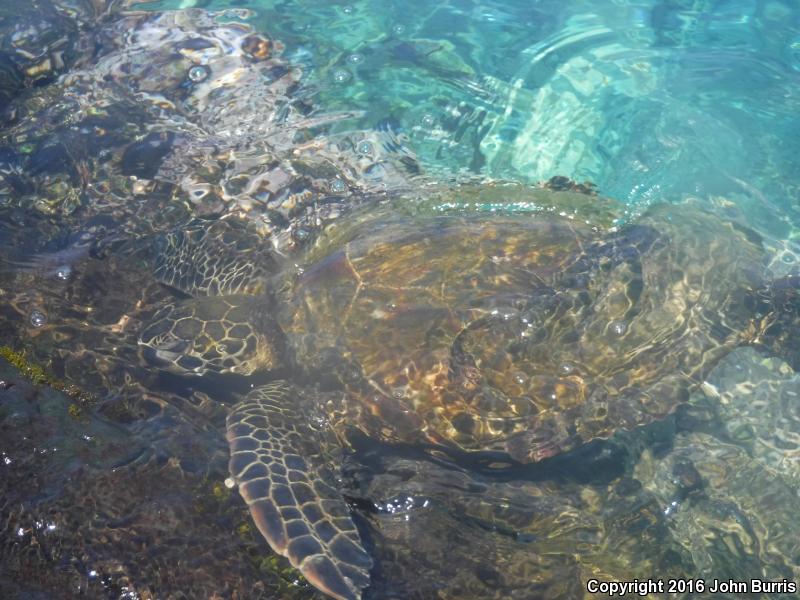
[[649, 102]]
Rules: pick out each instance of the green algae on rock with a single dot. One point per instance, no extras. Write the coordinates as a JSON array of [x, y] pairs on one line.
[[39, 377]]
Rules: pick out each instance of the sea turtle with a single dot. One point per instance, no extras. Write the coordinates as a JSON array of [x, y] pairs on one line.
[[515, 337]]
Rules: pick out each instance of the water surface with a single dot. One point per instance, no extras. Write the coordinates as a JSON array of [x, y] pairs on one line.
[[122, 123]]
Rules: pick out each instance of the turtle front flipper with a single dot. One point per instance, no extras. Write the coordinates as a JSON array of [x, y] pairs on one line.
[[277, 462], [216, 334]]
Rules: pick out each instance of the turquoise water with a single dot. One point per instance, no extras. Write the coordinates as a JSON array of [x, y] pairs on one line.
[[638, 329], [648, 100]]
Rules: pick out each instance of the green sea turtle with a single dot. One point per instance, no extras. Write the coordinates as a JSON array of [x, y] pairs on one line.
[[517, 336]]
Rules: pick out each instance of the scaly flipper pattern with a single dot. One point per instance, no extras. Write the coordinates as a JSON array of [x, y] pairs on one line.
[[277, 463]]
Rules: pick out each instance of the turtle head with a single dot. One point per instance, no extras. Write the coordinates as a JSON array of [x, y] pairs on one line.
[[779, 330], [222, 334], [213, 258]]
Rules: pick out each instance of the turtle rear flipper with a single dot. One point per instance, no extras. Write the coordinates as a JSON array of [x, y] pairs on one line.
[[276, 460], [780, 329]]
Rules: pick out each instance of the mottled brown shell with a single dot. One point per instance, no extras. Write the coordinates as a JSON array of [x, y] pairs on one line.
[[527, 335], [395, 299]]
